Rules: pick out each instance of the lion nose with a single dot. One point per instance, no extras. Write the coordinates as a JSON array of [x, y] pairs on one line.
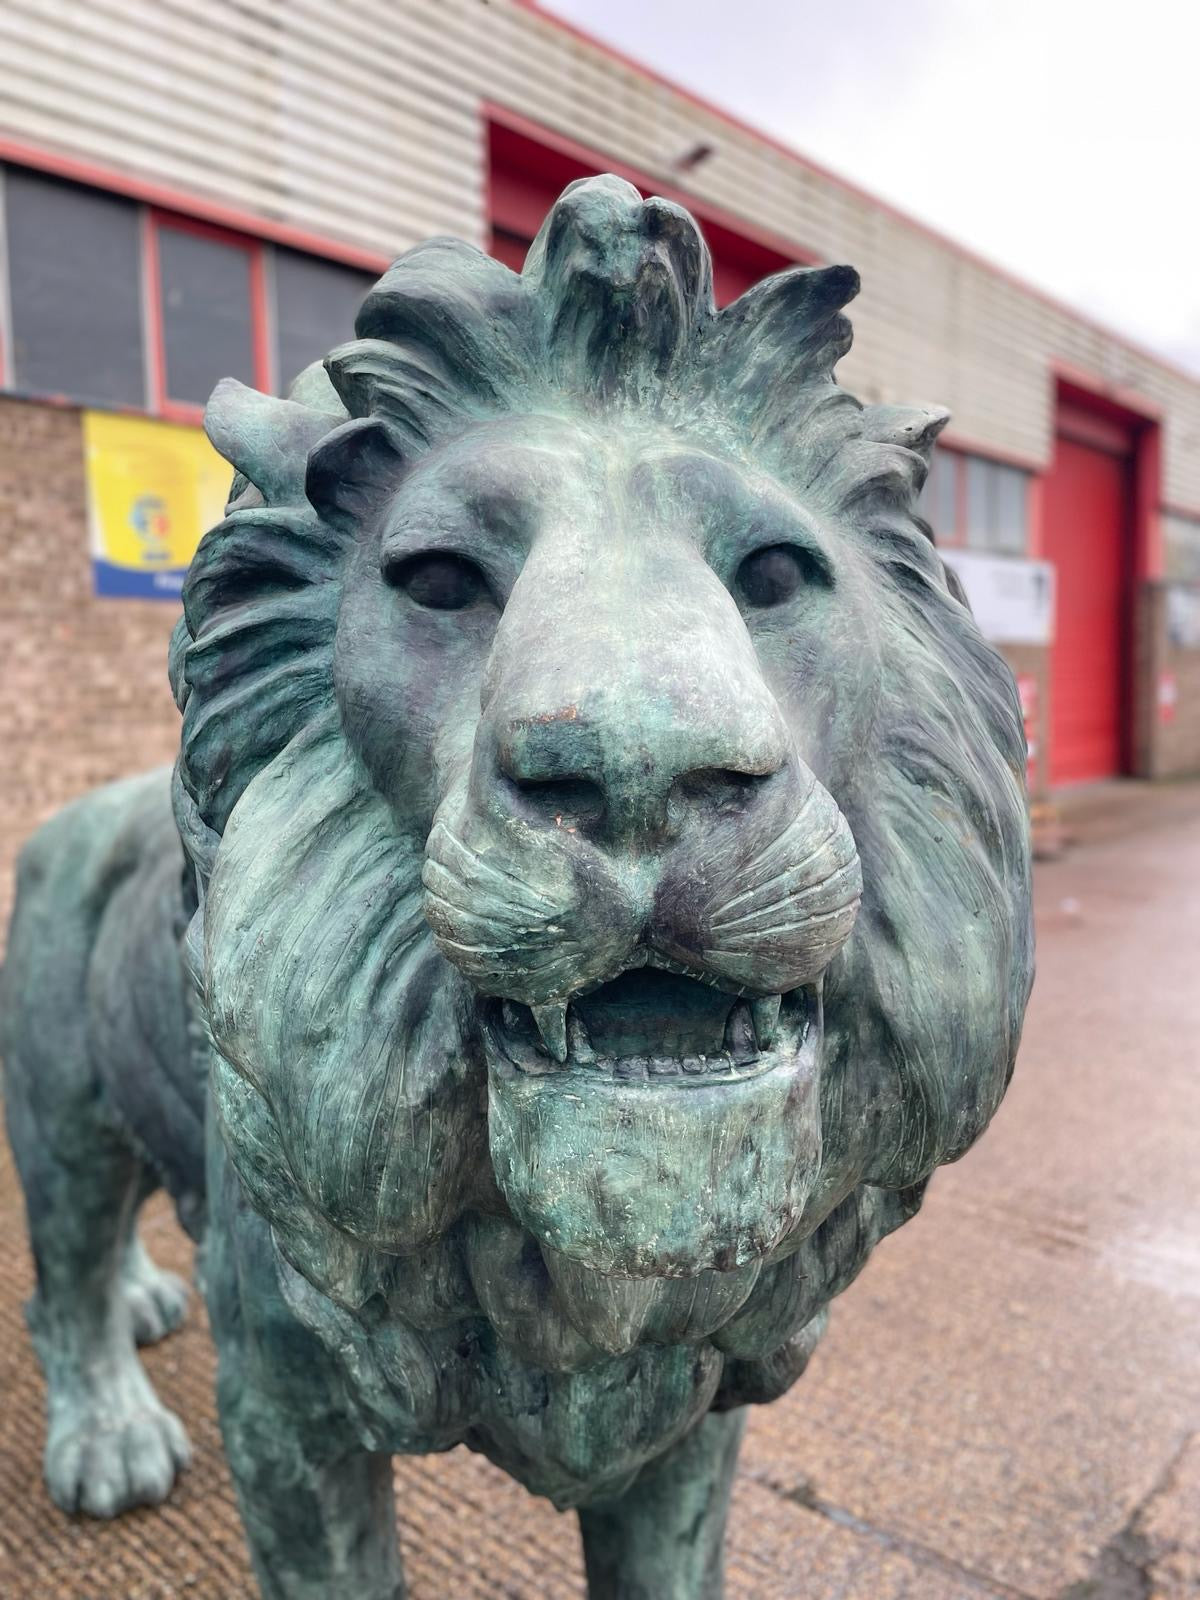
[[622, 769], [624, 694]]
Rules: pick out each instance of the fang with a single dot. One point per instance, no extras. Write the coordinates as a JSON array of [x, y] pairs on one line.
[[551, 1023], [765, 1013]]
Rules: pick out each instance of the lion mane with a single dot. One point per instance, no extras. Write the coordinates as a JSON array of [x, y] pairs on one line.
[[350, 1089]]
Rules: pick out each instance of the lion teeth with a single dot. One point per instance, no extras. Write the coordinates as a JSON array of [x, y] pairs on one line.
[[765, 1014], [579, 1040], [551, 1023], [739, 1034], [511, 1014]]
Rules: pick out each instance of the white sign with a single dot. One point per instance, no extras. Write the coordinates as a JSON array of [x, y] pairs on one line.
[[1183, 617], [1013, 599]]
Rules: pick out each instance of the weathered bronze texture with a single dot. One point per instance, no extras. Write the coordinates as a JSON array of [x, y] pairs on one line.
[[611, 904]]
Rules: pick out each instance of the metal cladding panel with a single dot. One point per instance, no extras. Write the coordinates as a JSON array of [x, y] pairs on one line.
[[363, 123]]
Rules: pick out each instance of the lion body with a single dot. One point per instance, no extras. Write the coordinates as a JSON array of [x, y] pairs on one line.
[[94, 998], [611, 887]]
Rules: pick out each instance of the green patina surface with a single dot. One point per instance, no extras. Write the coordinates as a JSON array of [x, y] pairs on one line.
[[609, 903]]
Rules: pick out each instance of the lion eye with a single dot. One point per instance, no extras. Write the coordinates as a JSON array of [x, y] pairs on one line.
[[441, 582], [774, 574]]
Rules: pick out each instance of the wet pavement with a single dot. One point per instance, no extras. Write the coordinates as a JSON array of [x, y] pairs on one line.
[[1007, 1403]]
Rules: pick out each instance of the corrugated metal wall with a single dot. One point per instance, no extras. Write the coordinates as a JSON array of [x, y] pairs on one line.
[[361, 120]]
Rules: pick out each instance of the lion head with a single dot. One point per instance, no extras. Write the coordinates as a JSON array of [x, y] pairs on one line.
[[610, 825]]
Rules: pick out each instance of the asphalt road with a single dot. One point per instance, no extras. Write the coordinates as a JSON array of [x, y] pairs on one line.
[[1007, 1403]]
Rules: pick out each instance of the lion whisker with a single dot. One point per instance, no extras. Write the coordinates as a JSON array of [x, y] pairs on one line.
[[849, 869], [484, 869], [441, 880], [538, 934], [782, 929], [792, 867], [496, 953]]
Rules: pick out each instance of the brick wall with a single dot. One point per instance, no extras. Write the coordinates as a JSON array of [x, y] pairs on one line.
[[1032, 661], [83, 682]]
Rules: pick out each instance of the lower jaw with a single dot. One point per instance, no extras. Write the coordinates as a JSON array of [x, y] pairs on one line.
[[640, 1180]]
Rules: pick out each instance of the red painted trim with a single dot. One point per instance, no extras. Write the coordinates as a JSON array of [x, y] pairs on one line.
[[849, 186], [69, 402], [1085, 426], [562, 145], [202, 229], [1150, 553], [1035, 517], [152, 315], [1105, 398], [178, 411], [260, 322], [187, 204]]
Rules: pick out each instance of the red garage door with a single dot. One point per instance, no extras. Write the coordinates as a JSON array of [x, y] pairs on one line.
[[526, 177], [1087, 510]]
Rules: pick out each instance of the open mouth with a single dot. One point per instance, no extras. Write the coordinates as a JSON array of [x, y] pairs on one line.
[[652, 1025], [656, 1125]]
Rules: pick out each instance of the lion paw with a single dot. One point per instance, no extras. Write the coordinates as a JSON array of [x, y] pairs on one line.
[[102, 1459], [157, 1299]]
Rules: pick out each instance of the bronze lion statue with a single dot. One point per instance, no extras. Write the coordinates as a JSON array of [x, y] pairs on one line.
[[606, 901]]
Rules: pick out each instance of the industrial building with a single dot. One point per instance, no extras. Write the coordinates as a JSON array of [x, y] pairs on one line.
[[188, 191]]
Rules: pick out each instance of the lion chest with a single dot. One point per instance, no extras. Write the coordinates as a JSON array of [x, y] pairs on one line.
[[571, 1435]]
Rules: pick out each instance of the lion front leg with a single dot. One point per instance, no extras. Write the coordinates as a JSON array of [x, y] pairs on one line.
[[316, 1528], [664, 1538], [318, 1509]]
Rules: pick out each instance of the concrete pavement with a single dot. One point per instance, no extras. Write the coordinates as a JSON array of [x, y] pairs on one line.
[[1007, 1403]]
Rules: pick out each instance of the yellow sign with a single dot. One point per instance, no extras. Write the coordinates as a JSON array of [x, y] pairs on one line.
[[154, 489]]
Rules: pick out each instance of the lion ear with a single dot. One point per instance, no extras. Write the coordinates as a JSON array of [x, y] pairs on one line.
[[265, 439], [351, 470]]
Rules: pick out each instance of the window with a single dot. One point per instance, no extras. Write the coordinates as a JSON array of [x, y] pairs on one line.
[[1181, 536], [118, 304], [939, 499], [206, 294], [74, 276], [316, 303], [996, 496], [975, 501]]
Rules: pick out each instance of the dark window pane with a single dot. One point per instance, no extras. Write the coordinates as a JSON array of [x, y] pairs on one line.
[[1182, 539], [316, 303], [939, 498], [979, 483], [997, 506], [74, 264], [206, 317], [1010, 500]]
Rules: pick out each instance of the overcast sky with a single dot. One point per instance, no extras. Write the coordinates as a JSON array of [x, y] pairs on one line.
[[1059, 138]]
